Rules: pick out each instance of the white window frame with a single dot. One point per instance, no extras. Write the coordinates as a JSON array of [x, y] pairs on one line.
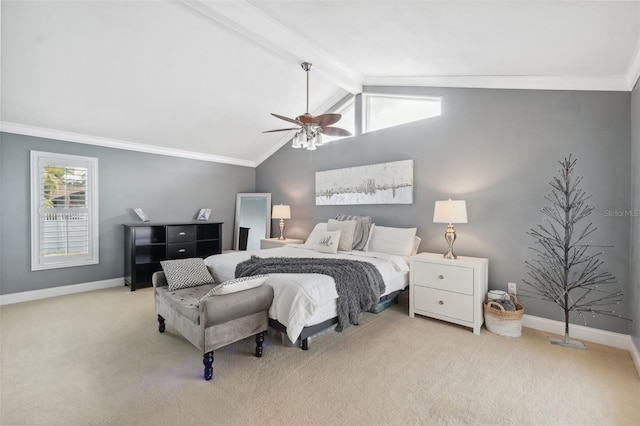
[[366, 106], [38, 160]]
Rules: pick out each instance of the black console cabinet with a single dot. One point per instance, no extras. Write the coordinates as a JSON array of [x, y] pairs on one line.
[[146, 244]]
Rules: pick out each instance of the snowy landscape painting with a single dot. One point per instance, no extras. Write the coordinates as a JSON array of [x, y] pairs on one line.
[[386, 183]]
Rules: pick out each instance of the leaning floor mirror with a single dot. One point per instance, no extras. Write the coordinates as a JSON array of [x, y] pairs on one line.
[[253, 220]]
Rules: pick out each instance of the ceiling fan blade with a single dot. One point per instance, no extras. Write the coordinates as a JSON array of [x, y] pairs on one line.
[[282, 117], [280, 130], [334, 131], [326, 119]]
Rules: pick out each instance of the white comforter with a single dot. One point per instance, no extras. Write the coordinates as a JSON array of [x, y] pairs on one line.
[[297, 297]]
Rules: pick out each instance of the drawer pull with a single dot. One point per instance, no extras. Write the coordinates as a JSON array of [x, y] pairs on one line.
[[182, 233], [441, 303], [182, 250], [441, 277]]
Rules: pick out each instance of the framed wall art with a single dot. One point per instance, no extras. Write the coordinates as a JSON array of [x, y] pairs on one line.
[[141, 214], [385, 183], [204, 214]]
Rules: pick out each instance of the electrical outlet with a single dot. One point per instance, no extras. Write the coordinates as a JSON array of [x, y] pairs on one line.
[[511, 288]]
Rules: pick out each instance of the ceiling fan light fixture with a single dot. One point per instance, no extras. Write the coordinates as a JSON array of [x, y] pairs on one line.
[[297, 140], [312, 145], [308, 134]]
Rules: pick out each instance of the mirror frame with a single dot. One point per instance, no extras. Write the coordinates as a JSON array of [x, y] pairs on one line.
[[239, 197]]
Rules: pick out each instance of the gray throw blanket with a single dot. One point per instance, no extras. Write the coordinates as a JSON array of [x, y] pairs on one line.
[[359, 284]]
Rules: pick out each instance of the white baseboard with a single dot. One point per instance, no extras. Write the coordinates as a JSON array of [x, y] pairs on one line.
[[580, 332], [26, 296], [635, 355]]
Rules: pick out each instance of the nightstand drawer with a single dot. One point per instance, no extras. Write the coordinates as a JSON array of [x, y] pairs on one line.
[[440, 302], [181, 251], [178, 234], [443, 277]]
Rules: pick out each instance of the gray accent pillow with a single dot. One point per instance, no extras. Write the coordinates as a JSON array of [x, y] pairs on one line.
[[185, 273], [361, 232]]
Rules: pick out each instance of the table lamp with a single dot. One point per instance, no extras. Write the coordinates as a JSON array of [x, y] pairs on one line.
[[450, 211], [281, 212]]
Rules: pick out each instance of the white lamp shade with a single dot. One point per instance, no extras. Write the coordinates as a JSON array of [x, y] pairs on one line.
[[281, 212], [450, 211]]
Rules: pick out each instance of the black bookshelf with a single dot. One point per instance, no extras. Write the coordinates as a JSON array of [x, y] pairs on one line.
[[146, 244]]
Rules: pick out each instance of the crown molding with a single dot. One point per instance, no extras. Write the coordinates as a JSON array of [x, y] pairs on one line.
[[590, 83], [248, 21], [22, 129]]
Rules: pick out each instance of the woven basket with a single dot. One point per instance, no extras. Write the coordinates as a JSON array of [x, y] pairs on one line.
[[502, 322]]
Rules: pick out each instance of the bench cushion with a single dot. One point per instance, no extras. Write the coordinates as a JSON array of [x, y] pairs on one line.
[[184, 301], [219, 309]]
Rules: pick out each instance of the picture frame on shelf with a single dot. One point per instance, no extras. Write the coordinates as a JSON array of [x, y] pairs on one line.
[[141, 214], [204, 214]]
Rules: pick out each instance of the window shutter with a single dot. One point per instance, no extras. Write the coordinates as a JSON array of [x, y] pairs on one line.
[[64, 189]]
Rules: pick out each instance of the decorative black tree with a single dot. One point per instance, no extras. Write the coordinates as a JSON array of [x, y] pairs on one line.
[[566, 269]]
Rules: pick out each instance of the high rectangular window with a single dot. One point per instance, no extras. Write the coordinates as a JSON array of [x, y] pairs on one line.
[[382, 111], [64, 210]]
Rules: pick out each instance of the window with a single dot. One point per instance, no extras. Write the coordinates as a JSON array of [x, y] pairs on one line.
[[382, 111], [64, 210], [347, 122]]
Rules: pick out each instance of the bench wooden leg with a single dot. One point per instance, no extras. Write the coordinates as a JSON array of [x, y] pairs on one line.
[[259, 341], [160, 324], [207, 360]]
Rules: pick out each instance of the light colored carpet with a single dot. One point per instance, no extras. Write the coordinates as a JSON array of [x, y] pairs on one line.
[[97, 358]]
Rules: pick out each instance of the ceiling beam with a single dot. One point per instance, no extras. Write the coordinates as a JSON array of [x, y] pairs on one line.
[[253, 24]]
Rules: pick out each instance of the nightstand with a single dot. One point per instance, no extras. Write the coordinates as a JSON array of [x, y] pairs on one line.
[[275, 242], [449, 290]]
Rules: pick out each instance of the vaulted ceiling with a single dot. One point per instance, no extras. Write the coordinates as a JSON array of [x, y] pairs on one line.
[[198, 78]]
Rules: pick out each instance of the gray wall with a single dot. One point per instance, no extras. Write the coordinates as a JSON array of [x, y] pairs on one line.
[[166, 188], [634, 287], [497, 149]]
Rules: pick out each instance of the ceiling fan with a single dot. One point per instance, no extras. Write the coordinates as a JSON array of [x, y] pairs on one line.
[[310, 129]]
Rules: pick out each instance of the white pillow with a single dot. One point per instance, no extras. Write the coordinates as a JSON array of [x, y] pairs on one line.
[[385, 239], [346, 237], [318, 230], [235, 285], [326, 242]]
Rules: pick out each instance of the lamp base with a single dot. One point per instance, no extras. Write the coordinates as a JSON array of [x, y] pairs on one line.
[[450, 237], [450, 255], [281, 237]]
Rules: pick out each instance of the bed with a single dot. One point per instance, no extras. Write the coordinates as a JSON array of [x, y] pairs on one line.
[[307, 303]]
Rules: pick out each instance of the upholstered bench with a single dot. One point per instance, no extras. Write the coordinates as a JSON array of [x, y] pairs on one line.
[[216, 321]]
